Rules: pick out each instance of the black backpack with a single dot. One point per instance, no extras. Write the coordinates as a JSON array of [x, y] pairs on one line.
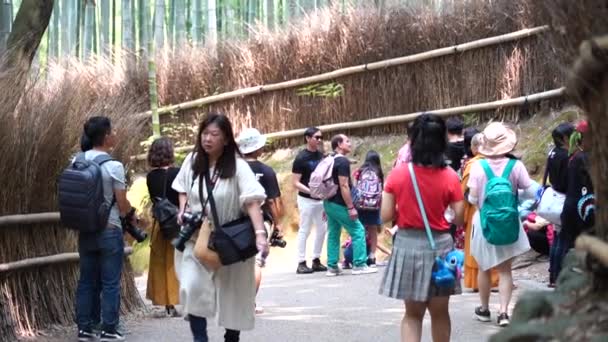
[[82, 205]]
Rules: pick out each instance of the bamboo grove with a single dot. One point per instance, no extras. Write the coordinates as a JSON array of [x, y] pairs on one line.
[[82, 28]]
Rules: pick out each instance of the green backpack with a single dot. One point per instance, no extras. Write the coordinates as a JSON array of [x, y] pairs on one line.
[[499, 215]]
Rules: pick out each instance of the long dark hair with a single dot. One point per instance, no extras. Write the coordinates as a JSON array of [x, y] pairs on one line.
[[563, 130], [94, 132], [428, 140], [226, 164], [372, 161]]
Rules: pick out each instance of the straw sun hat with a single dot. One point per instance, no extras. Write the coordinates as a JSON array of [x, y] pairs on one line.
[[498, 140], [251, 140]]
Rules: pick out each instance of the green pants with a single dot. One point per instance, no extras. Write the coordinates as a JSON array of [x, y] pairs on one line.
[[337, 217]]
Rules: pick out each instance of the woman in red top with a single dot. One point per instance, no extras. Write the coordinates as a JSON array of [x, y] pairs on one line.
[[408, 274]]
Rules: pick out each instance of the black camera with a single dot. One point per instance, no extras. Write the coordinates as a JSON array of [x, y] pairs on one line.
[[275, 240], [191, 222], [133, 230]]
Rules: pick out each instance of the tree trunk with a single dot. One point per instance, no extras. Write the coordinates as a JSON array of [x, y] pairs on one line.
[[144, 28], [211, 23], [28, 29], [53, 34], [197, 22], [171, 24], [128, 43], [105, 44], [159, 12], [65, 27], [89, 30], [73, 27], [6, 21], [180, 23], [159, 25]]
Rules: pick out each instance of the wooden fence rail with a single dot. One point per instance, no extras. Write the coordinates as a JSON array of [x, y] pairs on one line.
[[45, 260], [387, 120], [445, 51]]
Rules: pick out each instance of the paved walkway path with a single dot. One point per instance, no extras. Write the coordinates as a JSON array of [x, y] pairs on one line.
[[306, 308]]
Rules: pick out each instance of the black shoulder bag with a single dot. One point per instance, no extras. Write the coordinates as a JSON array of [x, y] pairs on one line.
[[165, 213], [233, 241]]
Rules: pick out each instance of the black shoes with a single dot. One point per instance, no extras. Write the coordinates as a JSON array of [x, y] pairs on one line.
[[303, 269], [107, 336], [85, 336], [503, 319], [317, 266], [482, 315]]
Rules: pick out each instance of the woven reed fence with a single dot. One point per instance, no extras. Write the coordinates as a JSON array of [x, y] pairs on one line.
[[331, 42]]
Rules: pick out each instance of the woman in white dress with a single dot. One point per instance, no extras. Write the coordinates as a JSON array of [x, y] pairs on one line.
[[498, 142], [208, 289]]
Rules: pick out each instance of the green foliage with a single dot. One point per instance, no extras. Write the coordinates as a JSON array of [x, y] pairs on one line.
[[329, 90]]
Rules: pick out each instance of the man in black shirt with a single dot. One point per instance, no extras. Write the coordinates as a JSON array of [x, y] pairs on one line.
[[455, 150], [311, 209], [342, 213], [251, 143]]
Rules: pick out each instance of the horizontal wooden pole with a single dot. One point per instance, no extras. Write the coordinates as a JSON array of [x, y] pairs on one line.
[[45, 260], [594, 246], [451, 50], [10, 220], [387, 120]]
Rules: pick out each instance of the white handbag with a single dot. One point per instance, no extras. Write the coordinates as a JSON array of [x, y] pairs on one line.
[[551, 206]]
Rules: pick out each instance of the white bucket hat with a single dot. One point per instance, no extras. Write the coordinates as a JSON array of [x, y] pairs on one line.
[[251, 140]]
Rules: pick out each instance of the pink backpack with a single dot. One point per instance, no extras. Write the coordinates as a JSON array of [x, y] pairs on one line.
[[321, 182]]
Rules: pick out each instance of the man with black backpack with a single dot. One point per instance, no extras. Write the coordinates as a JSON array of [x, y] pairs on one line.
[[93, 201]]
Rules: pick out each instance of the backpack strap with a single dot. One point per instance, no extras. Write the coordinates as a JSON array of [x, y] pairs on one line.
[[427, 226], [507, 172], [487, 169], [100, 160]]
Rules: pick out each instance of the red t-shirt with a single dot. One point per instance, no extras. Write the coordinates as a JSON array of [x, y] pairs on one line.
[[438, 188]]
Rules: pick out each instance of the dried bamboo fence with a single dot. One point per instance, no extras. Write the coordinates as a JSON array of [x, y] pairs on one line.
[[403, 118], [479, 53]]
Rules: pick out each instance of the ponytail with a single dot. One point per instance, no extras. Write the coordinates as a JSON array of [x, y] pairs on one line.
[[94, 132]]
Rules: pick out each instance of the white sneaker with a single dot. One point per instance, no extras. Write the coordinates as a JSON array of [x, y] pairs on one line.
[[363, 270], [333, 271]]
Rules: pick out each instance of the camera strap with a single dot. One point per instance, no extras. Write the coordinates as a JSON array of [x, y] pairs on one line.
[[210, 184]]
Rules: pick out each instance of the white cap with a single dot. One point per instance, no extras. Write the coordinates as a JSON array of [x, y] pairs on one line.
[[251, 140]]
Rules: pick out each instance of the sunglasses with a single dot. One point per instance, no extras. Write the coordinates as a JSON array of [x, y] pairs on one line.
[[318, 137]]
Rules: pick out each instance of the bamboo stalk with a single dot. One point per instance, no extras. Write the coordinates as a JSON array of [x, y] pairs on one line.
[[89, 29], [594, 246], [351, 70], [46, 260], [10, 220], [388, 120]]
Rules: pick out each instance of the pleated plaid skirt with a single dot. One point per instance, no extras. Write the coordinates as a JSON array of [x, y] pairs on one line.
[[408, 273]]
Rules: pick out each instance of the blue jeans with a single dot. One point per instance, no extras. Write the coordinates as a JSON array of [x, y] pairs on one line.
[[100, 271], [562, 243]]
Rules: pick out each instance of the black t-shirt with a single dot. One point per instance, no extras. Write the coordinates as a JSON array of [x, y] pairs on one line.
[[557, 167], [579, 196], [155, 179], [304, 164], [268, 179], [341, 168], [454, 153]]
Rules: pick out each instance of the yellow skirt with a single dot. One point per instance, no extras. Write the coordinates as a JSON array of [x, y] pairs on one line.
[[470, 264], [163, 286]]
